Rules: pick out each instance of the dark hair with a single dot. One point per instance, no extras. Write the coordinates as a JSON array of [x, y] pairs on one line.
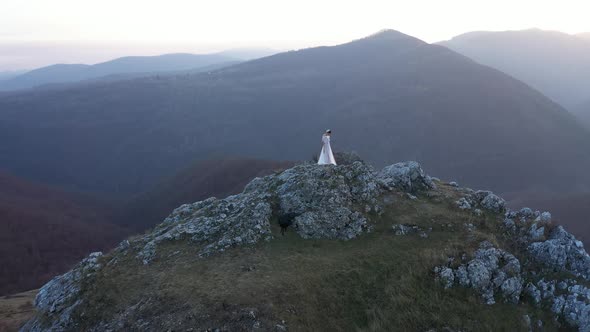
[[328, 131]]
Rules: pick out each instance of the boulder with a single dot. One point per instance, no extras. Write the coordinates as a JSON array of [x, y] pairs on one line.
[[463, 204], [407, 176], [491, 271], [562, 252], [327, 200], [60, 296]]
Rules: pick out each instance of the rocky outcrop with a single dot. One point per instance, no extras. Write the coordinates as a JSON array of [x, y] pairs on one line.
[[407, 176], [490, 272], [330, 202], [215, 225], [60, 296], [562, 252], [482, 199], [565, 298]]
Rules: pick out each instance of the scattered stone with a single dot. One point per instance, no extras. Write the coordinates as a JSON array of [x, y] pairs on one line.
[[463, 204], [446, 276], [453, 184], [491, 271], [401, 229], [492, 202]]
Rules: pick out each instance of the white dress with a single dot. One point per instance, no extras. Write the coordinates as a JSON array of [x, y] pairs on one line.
[[326, 156]]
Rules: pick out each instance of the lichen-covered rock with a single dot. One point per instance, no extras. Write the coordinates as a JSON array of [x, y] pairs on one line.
[[327, 200], [445, 275], [463, 204], [60, 296], [483, 199], [544, 217], [490, 201], [491, 271], [533, 292], [215, 225], [407, 176], [562, 252], [565, 298]]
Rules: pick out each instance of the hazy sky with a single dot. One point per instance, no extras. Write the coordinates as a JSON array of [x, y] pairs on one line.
[[39, 32]]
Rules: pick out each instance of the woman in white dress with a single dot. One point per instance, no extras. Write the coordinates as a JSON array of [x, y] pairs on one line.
[[326, 156]]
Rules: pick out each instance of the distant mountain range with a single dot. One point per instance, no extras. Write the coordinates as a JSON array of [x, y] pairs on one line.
[[585, 35], [388, 97], [5, 75], [555, 63], [64, 73]]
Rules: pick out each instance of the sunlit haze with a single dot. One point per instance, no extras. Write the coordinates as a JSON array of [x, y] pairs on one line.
[[34, 33]]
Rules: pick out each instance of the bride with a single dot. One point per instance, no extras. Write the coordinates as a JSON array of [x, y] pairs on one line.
[[326, 156]]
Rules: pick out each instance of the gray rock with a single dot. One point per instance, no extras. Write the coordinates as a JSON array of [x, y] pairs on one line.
[[463, 204], [488, 201], [536, 233], [60, 296], [491, 271], [447, 277], [407, 176], [526, 212], [453, 184], [403, 229], [215, 225], [533, 292], [511, 289], [493, 203], [562, 252], [327, 200], [545, 217], [462, 276], [509, 224]]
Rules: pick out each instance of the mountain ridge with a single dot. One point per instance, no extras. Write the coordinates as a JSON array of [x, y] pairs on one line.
[[520, 53], [387, 95], [68, 73]]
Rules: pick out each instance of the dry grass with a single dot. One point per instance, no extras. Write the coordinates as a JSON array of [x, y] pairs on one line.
[[15, 310], [377, 282]]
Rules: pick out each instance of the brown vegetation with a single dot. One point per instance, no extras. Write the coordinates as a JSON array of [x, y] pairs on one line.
[[44, 231]]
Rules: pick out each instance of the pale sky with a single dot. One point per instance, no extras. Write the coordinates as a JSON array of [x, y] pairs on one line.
[[40, 32]]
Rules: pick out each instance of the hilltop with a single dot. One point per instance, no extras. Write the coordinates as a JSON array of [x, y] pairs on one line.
[[363, 250]]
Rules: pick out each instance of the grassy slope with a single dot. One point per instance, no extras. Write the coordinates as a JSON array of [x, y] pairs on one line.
[[16, 309], [377, 282]]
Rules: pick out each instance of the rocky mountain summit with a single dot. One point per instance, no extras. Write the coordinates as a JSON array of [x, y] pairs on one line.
[[360, 245]]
